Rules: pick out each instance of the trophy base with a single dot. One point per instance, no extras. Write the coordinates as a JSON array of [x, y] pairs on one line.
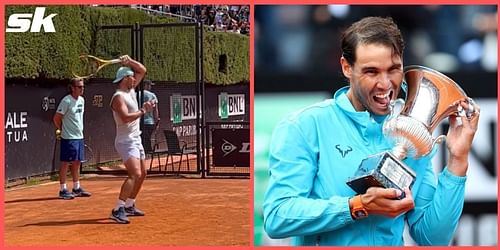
[[382, 170]]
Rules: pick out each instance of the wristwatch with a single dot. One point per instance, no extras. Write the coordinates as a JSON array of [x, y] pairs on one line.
[[358, 211]]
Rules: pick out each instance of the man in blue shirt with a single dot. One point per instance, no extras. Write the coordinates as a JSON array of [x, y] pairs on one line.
[[314, 151], [68, 120], [151, 118]]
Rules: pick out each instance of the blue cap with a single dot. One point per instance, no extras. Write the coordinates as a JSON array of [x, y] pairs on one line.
[[123, 72]]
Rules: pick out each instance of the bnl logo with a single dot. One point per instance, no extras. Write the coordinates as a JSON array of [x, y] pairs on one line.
[[22, 22], [231, 104], [228, 147]]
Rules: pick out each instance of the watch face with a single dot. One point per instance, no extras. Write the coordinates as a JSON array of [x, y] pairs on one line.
[[360, 214]]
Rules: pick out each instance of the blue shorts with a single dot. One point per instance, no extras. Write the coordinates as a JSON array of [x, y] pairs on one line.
[[72, 150]]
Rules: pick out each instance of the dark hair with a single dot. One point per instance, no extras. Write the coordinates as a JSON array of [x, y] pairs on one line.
[[72, 83], [371, 30]]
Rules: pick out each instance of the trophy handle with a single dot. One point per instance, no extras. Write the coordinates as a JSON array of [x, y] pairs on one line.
[[440, 139], [395, 107]]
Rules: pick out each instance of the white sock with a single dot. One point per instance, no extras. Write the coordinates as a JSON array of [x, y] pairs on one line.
[[129, 202], [119, 204], [63, 186], [76, 185]]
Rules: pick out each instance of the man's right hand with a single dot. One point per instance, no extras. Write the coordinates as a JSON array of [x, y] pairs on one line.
[[384, 201]]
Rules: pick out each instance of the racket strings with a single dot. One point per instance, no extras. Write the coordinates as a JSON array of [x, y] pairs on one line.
[[87, 67]]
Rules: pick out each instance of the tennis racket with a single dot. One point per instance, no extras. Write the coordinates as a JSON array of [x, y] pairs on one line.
[[88, 154], [54, 161], [89, 65]]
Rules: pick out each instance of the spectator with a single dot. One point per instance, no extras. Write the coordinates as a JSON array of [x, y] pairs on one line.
[[232, 18]]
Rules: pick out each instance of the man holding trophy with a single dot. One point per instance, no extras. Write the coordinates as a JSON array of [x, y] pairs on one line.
[[353, 170]]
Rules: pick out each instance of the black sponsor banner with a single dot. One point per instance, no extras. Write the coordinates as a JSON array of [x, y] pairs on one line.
[[29, 130], [231, 147]]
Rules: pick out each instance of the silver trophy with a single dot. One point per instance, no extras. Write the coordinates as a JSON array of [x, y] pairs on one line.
[[431, 97]]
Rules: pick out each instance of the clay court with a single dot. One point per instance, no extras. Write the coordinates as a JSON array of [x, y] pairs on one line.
[[179, 212]]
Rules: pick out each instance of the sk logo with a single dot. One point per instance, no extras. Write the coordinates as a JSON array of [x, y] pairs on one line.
[[22, 22], [343, 152]]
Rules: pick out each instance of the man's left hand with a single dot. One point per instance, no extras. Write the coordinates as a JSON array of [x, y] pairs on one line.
[[125, 59], [460, 136]]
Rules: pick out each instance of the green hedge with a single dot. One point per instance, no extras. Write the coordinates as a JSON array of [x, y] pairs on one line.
[[169, 51]]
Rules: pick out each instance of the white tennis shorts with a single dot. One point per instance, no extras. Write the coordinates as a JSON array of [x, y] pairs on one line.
[[130, 148]]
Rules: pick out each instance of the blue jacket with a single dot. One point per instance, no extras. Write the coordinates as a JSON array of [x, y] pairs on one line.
[[312, 154]]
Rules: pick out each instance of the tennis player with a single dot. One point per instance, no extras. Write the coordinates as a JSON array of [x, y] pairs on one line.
[[127, 114]]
